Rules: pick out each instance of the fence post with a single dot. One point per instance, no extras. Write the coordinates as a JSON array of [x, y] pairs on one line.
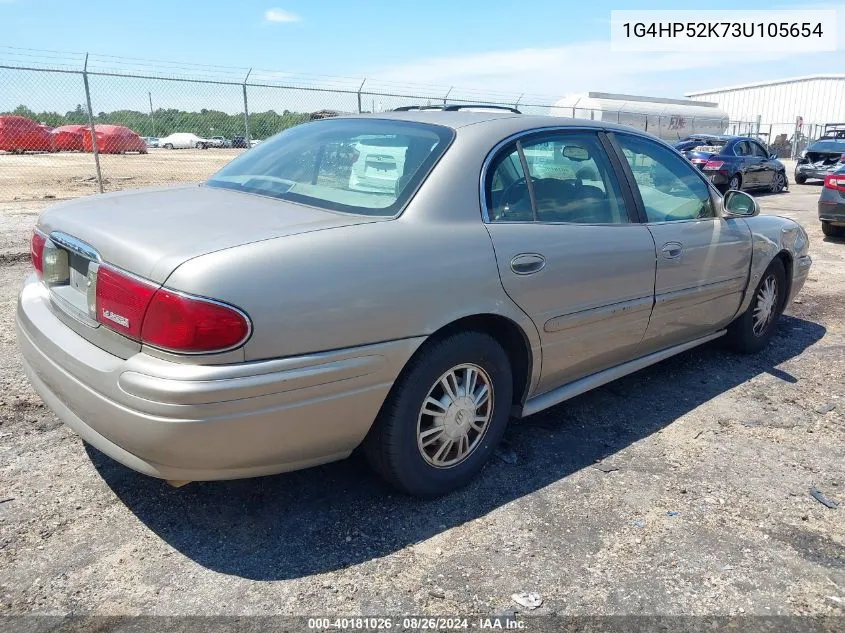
[[91, 124], [152, 116], [360, 88], [246, 110]]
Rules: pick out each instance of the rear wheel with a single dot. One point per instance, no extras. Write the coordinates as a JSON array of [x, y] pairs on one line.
[[832, 231], [751, 331], [444, 416], [799, 179], [735, 182]]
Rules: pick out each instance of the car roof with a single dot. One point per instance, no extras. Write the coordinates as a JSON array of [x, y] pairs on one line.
[[505, 120]]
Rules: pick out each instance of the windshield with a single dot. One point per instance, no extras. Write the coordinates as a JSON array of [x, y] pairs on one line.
[[361, 166], [828, 146]]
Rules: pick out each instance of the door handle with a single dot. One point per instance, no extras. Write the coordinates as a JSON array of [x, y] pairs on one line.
[[672, 250], [528, 263]]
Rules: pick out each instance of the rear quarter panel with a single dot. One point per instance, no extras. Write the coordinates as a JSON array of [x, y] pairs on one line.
[[352, 286]]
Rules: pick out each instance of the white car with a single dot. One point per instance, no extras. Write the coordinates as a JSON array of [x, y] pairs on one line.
[[184, 140], [378, 163]]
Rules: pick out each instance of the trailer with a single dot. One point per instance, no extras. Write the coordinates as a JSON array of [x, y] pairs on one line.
[[668, 119]]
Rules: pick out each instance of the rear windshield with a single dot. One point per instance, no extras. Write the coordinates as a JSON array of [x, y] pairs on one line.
[[361, 166], [828, 146]]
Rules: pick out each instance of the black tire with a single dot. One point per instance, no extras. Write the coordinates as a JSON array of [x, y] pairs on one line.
[[391, 446], [200, 146], [832, 231], [741, 336], [735, 182], [168, 146], [779, 182], [799, 179]]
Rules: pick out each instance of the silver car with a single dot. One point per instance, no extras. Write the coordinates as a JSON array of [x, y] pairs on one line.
[[274, 318]]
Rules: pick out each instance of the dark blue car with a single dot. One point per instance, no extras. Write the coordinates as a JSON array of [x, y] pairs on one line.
[[735, 162]]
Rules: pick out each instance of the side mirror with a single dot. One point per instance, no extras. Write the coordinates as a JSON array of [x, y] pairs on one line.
[[738, 204]]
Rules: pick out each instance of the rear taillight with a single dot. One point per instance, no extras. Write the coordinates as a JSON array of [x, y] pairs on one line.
[[122, 300], [835, 181], [164, 318], [36, 252], [713, 165], [182, 323]]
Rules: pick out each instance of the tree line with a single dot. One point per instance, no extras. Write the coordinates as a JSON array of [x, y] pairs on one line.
[[162, 122]]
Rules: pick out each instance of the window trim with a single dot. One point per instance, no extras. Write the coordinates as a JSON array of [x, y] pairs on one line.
[[515, 139], [632, 183]]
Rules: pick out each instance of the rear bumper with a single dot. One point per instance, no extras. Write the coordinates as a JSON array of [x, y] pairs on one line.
[[833, 212], [205, 422]]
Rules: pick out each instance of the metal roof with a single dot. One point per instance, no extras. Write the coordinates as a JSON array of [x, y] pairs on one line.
[[772, 82]]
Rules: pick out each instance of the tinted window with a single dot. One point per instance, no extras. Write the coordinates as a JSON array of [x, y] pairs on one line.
[[670, 187], [507, 194], [759, 151], [571, 178], [362, 166], [742, 148]]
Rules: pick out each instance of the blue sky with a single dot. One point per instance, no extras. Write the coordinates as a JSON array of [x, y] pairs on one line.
[[547, 47]]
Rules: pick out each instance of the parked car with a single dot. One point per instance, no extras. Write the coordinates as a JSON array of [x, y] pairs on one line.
[[735, 162], [184, 140], [68, 138], [414, 321], [832, 204], [219, 142], [19, 134], [821, 159], [239, 142], [151, 141], [253, 142], [113, 139]]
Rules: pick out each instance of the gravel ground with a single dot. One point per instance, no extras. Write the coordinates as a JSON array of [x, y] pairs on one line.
[[682, 489]]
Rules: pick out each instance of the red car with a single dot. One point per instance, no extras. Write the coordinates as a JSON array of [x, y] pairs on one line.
[[19, 134], [68, 138], [113, 139]]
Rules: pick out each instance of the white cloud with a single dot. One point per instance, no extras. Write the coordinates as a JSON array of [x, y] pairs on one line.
[[279, 15], [559, 70], [591, 65]]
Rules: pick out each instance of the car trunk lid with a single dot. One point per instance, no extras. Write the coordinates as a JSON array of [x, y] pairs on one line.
[[149, 233]]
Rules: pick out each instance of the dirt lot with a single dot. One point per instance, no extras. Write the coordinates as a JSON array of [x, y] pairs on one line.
[[71, 174], [682, 489]]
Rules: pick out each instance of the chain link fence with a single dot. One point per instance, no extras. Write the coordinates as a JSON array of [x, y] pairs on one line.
[[158, 123]]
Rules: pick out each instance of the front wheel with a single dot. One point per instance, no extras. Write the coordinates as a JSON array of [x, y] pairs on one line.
[[444, 415], [799, 179], [778, 182], [751, 331], [168, 146]]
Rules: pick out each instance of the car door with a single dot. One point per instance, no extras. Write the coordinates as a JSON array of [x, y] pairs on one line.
[[702, 258], [765, 167], [749, 165], [569, 250]]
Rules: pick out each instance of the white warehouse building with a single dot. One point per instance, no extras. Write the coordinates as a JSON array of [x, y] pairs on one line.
[[817, 99]]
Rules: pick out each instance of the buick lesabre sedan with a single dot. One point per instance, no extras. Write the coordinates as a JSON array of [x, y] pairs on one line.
[[288, 311]]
